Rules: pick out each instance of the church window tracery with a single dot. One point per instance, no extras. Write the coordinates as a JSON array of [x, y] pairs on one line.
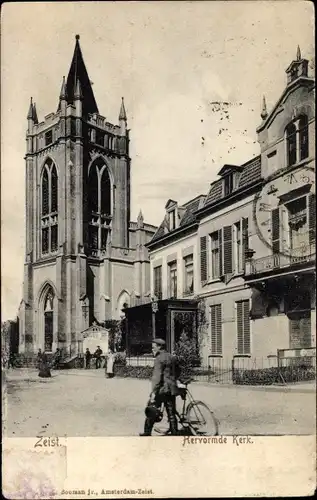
[[49, 209], [99, 206]]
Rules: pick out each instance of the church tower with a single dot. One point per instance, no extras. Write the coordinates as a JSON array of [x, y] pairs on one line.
[[81, 257]]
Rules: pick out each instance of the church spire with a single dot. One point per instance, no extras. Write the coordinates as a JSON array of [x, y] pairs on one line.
[[30, 112], [35, 118], [298, 55], [122, 114], [78, 93], [78, 71], [62, 94], [140, 220], [264, 110]]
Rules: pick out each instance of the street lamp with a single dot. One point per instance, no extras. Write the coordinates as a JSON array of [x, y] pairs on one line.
[[154, 311]]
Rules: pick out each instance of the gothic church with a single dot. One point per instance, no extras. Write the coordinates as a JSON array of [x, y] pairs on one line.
[[85, 260]]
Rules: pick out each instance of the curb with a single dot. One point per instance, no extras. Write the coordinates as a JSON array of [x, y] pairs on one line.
[[268, 388]]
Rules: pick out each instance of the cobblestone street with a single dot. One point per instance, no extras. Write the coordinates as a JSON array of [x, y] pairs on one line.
[[81, 403]]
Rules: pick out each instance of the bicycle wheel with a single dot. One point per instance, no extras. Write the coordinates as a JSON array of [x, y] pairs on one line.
[[201, 419]]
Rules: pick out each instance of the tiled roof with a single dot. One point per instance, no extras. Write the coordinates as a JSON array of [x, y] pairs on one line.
[[215, 192], [160, 232], [251, 172], [187, 217]]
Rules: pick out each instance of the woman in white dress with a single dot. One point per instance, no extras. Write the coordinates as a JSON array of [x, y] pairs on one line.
[[110, 363]]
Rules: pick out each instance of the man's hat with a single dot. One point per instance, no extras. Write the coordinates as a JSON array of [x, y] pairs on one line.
[[159, 342]]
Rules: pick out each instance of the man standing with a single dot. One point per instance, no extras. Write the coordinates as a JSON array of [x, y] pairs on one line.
[[164, 387], [98, 354], [87, 358]]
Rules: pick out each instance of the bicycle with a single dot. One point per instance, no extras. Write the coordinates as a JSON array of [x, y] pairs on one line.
[[195, 418]]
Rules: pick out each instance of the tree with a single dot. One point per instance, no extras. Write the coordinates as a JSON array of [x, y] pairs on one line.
[[186, 354]]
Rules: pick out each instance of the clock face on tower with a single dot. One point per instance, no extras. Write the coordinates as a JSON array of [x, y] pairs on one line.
[[283, 212]]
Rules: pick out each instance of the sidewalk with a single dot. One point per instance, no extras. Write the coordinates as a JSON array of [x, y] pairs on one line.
[[32, 375]]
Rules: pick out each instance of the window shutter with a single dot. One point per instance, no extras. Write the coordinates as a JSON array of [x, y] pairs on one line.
[[216, 329], [275, 219], [219, 329], [245, 239], [220, 252], [227, 249], [246, 327], [312, 218], [240, 327], [203, 258], [213, 329], [243, 327]]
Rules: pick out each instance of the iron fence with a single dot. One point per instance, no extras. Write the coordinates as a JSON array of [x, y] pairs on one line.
[[240, 370]]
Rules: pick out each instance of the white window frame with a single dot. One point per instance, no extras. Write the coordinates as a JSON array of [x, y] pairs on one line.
[[287, 237], [169, 282], [210, 252], [186, 264]]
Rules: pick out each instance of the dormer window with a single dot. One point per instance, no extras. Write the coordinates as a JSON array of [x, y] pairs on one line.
[[297, 140], [171, 208], [230, 178], [228, 184], [172, 219]]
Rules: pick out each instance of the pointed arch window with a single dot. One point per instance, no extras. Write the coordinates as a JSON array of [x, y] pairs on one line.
[[54, 189], [99, 206], [105, 193], [49, 209], [45, 193], [93, 189], [48, 320]]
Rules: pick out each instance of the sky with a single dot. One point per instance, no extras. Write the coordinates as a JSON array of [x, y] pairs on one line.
[[177, 64]]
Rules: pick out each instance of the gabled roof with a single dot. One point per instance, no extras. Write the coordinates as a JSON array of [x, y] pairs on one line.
[[301, 80], [170, 203], [78, 71], [227, 169]]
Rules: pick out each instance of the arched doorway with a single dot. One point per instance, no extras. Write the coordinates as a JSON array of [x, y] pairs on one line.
[[48, 320], [122, 302]]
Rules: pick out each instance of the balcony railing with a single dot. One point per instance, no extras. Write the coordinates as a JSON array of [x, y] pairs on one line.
[[299, 255]]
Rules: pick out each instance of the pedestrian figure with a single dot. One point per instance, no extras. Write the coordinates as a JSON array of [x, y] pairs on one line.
[[110, 363], [87, 358], [97, 355], [39, 358], [164, 388], [11, 361], [44, 371]]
